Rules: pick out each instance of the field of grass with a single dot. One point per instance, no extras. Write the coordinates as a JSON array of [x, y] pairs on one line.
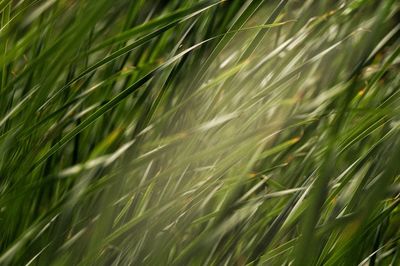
[[200, 132]]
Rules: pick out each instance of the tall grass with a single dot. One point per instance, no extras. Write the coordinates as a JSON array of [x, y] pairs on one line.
[[199, 132]]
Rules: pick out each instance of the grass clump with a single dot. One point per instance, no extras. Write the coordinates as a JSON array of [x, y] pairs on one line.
[[199, 132]]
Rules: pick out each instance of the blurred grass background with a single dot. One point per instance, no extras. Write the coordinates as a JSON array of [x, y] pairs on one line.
[[208, 132]]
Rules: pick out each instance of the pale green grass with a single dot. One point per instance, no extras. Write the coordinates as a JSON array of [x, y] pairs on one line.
[[199, 132]]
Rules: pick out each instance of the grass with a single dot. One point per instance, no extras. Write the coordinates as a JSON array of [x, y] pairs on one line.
[[199, 132]]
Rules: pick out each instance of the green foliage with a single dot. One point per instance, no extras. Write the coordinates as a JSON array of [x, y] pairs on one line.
[[202, 132]]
